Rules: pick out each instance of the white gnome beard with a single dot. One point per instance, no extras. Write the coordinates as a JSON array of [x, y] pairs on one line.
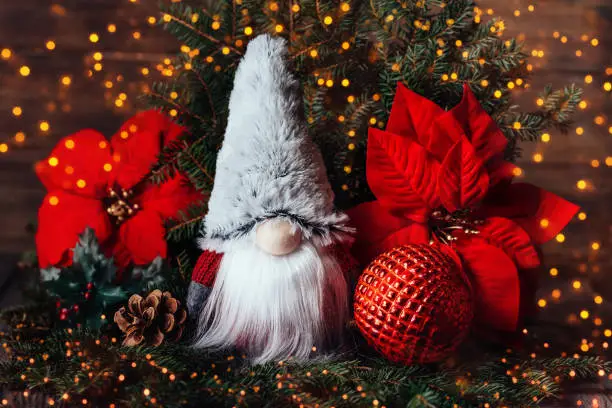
[[275, 307]]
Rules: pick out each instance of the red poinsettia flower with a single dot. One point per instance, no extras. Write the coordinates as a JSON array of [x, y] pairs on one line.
[[94, 183], [440, 175]]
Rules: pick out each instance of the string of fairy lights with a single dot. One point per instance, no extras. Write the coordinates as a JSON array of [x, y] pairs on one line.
[[117, 96]]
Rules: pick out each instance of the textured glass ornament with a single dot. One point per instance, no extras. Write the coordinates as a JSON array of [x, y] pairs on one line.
[[413, 304]]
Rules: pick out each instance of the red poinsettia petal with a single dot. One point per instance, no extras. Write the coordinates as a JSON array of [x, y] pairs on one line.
[[122, 258], [462, 180], [80, 164], [401, 174], [495, 282], [509, 236], [379, 231], [500, 171], [169, 198], [62, 217], [480, 128], [143, 236], [138, 143], [445, 131], [540, 213], [411, 114]]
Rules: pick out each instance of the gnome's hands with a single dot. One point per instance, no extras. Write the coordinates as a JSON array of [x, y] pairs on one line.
[[202, 281]]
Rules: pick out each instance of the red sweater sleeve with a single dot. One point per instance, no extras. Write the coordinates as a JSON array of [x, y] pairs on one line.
[[206, 268]]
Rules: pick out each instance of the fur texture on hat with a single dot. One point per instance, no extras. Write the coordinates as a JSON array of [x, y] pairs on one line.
[[268, 165]]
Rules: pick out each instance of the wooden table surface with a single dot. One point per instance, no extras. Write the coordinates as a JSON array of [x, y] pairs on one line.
[[26, 26]]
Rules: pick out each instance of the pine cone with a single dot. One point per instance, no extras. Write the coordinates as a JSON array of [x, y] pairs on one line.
[[152, 319]]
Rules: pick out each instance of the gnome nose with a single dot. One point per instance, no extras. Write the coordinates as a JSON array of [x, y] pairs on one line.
[[278, 237]]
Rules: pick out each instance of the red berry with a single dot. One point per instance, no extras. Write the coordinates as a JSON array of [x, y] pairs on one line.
[[75, 308], [63, 316], [87, 295], [64, 311], [90, 286], [58, 304]]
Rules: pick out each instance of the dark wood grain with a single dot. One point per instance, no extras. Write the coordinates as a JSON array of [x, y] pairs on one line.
[[26, 25]]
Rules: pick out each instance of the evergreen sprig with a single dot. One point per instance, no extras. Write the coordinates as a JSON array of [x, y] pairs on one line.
[[76, 364], [349, 57]]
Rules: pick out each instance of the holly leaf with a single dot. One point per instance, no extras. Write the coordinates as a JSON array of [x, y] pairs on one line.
[[50, 274], [111, 295], [97, 268]]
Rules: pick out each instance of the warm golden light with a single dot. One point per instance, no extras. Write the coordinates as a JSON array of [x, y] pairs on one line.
[[24, 70]]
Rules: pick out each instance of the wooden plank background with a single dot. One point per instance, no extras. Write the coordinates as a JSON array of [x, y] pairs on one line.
[[26, 25]]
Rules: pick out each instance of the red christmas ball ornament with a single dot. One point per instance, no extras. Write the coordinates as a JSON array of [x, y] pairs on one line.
[[414, 304]]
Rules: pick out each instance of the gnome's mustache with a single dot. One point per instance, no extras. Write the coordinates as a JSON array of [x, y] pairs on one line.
[[308, 227]]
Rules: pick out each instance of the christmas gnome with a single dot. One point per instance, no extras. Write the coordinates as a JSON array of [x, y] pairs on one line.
[[271, 280]]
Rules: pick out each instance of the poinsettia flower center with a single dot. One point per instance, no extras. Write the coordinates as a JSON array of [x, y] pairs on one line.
[[445, 224], [118, 204]]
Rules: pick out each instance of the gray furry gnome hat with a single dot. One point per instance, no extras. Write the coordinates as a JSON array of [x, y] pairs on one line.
[[268, 166]]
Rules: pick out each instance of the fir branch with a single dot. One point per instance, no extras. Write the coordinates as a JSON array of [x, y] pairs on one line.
[[187, 225], [202, 34]]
